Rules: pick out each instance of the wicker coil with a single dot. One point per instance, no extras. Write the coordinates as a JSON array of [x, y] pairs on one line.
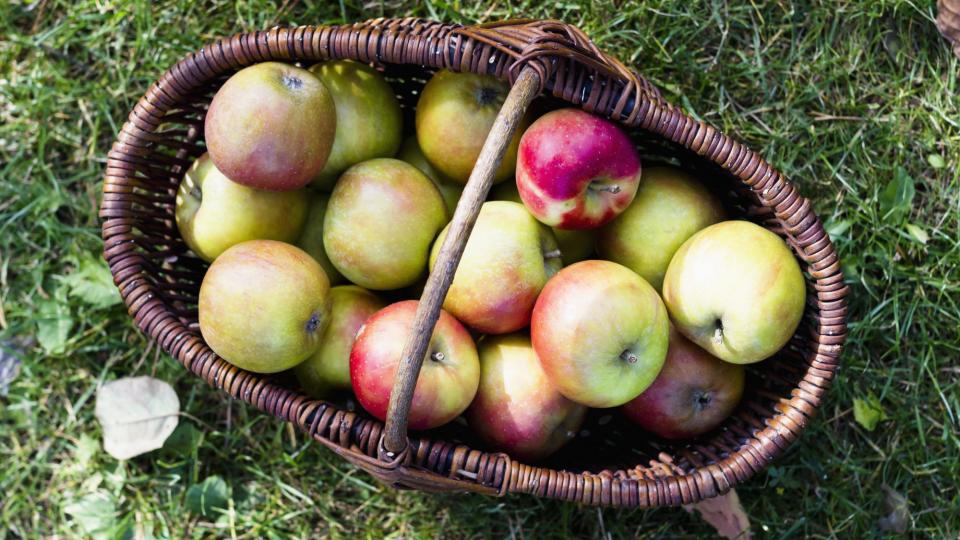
[[610, 463]]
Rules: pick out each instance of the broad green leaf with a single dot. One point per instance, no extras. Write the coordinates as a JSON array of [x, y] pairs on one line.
[[917, 233], [897, 198], [137, 415], [207, 497], [868, 412], [936, 161], [94, 514], [53, 325], [92, 283], [184, 440], [836, 228]]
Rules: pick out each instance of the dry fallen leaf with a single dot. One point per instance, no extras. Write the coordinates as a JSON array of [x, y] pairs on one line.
[[897, 519], [725, 514], [137, 415]]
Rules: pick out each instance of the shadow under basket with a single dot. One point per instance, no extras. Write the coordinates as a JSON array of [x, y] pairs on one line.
[[610, 462]]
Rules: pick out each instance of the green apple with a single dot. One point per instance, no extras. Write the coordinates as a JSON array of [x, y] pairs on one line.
[[382, 217], [508, 259], [454, 115], [451, 191], [669, 208], [575, 245], [311, 237], [271, 126], [264, 305], [517, 409], [601, 333], [736, 290], [369, 120], [329, 368], [214, 212]]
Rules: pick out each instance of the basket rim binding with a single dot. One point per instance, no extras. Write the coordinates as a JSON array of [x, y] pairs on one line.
[[570, 68]]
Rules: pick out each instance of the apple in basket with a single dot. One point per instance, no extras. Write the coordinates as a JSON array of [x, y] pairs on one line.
[[328, 369], [271, 126], [669, 207], [448, 379], [600, 332], [369, 121], [214, 212], [311, 236], [449, 189], [576, 170], [454, 115], [508, 258], [517, 409], [736, 290], [264, 305], [382, 217], [694, 393]]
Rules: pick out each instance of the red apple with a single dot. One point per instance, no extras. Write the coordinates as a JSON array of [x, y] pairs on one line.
[[517, 409], [576, 170], [271, 126], [449, 376], [694, 393]]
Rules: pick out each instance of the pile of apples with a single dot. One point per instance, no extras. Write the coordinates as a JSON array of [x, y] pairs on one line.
[[585, 283]]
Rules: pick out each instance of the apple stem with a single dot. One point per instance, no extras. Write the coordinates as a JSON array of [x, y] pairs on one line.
[[613, 188], [718, 335], [437, 356], [555, 254], [628, 356]]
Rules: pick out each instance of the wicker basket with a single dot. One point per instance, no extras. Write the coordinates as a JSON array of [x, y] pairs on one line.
[[610, 463]]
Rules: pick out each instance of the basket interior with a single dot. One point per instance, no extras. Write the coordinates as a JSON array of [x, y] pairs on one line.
[[607, 441]]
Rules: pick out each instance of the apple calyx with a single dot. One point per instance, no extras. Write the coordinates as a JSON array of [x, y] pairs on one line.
[[488, 95], [701, 399], [291, 82], [553, 254], [718, 333], [313, 323], [598, 185], [437, 356], [628, 356]]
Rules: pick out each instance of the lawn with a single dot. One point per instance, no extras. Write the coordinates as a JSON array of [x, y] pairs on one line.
[[855, 101]]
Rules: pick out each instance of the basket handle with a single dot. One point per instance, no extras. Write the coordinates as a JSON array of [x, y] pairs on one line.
[[524, 89]]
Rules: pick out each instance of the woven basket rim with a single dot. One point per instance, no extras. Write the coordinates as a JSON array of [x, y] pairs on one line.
[[572, 69]]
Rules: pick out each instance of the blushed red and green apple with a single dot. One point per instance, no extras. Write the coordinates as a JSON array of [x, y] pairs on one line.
[[311, 236]]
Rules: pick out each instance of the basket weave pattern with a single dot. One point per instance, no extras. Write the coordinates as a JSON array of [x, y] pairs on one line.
[[159, 280]]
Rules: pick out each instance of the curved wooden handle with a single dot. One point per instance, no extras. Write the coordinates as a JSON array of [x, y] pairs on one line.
[[524, 89]]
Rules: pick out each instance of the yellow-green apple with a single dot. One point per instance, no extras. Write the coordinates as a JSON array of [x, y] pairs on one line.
[[271, 126], [669, 207], [508, 259], [454, 114], [264, 305], [576, 170], [517, 409], [575, 246], [736, 290], [369, 121], [601, 333], [451, 191], [694, 393], [382, 216], [214, 212], [448, 379], [311, 237], [329, 368]]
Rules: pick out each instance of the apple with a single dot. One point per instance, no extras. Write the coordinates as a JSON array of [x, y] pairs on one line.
[[369, 121], [448, 379], [264, 305], [454, 115], [601, 333], [735, 289], [507, 260], [517, 409], [382, 216], [576, 170], [214, 212], [693, 394], [329, 368], [451, 191], [574, 246], [311, 236], [271, 126], [669, 207]]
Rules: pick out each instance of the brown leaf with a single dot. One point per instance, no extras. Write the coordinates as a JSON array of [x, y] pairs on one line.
[[725, 514], [948, 22], [898, 518]]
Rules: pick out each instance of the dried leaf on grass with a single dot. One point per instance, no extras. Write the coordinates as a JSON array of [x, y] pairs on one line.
[[137, 415], [725, 514]]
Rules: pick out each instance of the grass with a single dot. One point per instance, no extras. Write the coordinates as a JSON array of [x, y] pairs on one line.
[[856, 101]]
